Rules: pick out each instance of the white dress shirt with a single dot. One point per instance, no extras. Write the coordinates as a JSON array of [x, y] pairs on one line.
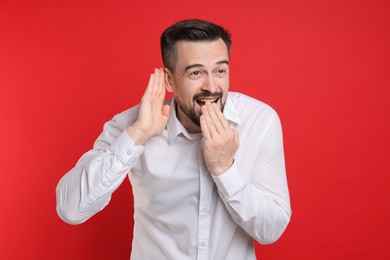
[[181, 211]]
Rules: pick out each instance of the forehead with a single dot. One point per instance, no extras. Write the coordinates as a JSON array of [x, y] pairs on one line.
[[201, 52]]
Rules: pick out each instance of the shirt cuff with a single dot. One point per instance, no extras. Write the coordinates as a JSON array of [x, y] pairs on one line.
[[125, 150], [230, 182]]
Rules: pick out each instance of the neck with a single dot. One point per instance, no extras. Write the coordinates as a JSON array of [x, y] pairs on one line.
[[186, 122]]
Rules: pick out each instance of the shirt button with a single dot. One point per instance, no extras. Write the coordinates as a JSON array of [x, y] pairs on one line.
[[129, 152], [106, 183], [202, 243]]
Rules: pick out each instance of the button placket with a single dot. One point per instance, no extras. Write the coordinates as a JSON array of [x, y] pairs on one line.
[[204, 219], [202, 243]]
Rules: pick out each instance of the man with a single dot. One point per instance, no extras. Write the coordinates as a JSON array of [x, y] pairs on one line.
[[206, 167]]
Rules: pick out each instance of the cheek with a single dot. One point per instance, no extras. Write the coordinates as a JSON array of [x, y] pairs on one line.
[[225, 82], [188, 91], [185, 97]]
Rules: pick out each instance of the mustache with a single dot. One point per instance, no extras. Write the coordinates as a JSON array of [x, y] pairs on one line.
[[207, 95]]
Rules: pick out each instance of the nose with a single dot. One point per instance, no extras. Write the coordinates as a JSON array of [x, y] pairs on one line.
[[210, 84]]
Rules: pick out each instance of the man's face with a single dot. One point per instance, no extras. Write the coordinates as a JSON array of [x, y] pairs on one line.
[[201, 75]]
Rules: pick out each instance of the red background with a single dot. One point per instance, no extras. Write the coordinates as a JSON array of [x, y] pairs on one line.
[[66, 67]]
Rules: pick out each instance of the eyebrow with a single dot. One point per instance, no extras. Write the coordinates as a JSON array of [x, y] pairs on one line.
[[200, 65]]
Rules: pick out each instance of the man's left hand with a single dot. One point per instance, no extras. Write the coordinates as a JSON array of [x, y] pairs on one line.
[[220, 140]]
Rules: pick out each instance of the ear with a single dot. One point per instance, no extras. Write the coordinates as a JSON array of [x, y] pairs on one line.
[[168, 80]]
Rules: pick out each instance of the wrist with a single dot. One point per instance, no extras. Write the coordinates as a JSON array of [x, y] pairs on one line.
[[222, 169], [137, 134]]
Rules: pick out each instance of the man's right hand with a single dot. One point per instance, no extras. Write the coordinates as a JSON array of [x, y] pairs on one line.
[[152, 115]]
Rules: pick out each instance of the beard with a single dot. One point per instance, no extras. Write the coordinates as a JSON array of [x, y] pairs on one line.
[[191, 112]]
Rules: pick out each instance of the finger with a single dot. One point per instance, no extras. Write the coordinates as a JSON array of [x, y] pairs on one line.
[[149, 88], [204, 128], [221, 117], [165, 112], [214, 118], [208, 122], [156, 80], [236, 137], [161, 83]]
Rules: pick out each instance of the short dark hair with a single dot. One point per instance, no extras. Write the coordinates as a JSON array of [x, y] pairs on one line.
[[190, 30]]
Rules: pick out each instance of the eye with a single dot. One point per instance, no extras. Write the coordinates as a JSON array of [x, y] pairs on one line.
[[221, 72], [195, 74]]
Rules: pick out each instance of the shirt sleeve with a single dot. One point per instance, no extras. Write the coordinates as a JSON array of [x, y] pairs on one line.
[[87, 188], [259, 201]]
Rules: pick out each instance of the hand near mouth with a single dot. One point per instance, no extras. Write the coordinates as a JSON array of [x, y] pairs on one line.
[[220, 140], [152, 114]]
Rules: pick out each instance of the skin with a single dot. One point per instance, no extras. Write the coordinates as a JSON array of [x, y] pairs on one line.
[[201, 70]]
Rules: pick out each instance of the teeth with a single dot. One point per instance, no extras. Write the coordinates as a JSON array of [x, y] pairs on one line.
[[210, 100]]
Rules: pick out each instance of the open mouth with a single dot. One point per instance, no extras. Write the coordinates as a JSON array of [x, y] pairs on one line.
[[202, 101]]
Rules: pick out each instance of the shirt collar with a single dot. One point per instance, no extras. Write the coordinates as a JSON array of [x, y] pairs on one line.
[[174, 127], [231, 113]]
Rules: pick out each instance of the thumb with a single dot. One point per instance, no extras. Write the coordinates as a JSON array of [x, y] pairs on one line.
[[165, 112]]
